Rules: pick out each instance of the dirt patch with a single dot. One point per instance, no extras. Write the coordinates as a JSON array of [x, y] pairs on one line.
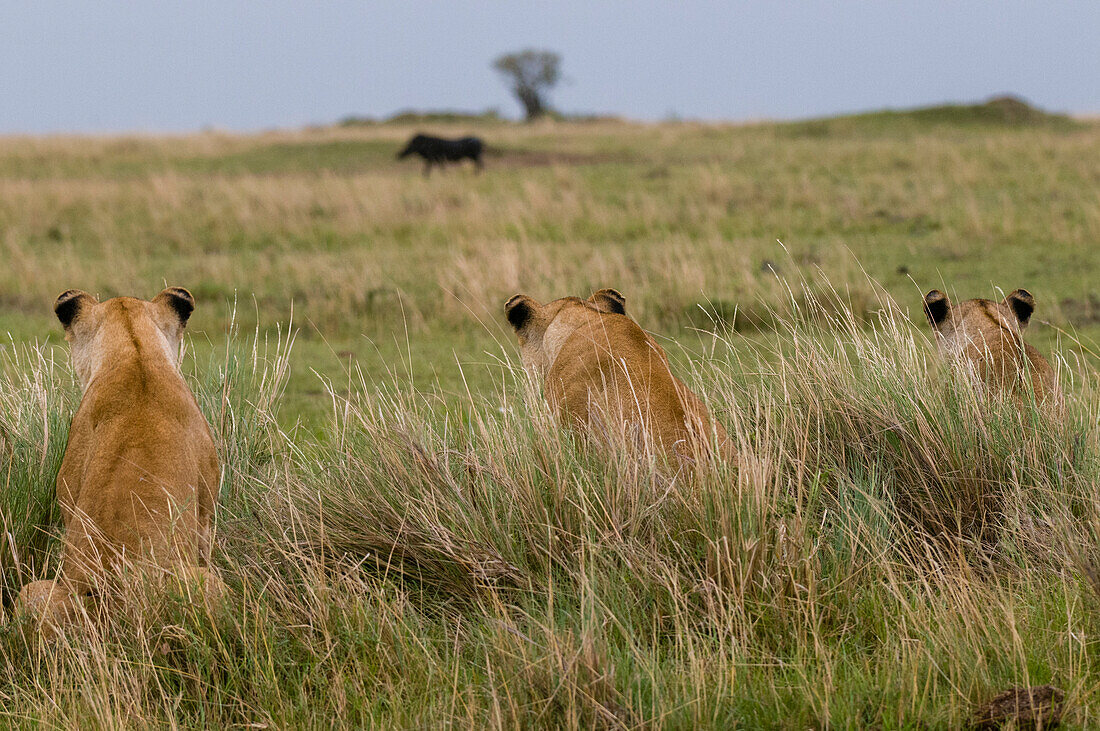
[[1025, 708]]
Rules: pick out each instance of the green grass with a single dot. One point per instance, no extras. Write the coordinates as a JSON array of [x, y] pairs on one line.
[[412, 541]]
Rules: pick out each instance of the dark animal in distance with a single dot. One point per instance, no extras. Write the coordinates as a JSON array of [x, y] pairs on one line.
[[439, 151]]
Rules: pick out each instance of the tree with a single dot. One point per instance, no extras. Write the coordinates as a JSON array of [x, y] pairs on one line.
[[530, 73]]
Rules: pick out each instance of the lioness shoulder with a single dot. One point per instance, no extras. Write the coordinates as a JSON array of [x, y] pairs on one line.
[[987, 337], [602, 371], [140, 474]]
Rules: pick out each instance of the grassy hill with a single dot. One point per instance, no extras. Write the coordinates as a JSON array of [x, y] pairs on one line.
[[411, 540]]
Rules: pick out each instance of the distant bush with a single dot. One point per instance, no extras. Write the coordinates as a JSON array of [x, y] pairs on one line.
[[451, 116], [586, 117], [411, 116]]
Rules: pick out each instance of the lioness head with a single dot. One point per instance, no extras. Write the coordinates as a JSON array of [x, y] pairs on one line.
[[957, 326], [541, 328], [99, 332]]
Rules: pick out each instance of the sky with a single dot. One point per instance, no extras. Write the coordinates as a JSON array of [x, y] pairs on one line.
[[102, 66]]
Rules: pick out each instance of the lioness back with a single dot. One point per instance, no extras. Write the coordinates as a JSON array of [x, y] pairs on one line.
[[140, 473], [987, 337], [603, 373]]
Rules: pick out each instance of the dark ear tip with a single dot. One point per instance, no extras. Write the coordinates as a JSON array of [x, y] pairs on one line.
[[180, 292], [613, 298], [67, 305], [517, 310], [180, 300], [1022, 303], [614, 293], [936, 306]]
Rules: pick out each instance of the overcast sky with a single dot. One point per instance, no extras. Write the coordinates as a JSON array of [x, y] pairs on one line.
[[140, 65]]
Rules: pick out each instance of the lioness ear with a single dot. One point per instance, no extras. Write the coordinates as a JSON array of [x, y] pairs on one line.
[[69, 304], [1022, 304], [936, 306], [519, 310], [609, 300], [179, 300]]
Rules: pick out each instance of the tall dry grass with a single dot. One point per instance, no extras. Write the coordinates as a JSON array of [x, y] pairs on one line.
[[36, 397], [891, 552]]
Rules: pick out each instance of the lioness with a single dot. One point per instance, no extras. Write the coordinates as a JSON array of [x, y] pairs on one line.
[[601, 370], [140, 474], [986, 337]]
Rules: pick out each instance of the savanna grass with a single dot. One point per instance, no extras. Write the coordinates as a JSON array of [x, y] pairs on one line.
[[891, 551], [406, 276], [36, 400]]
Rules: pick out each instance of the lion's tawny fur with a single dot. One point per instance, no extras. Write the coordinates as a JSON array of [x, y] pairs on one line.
[[601, 371], [987, 338], [140, 475]]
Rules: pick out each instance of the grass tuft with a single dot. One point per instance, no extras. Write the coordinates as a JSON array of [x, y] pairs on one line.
[[892, 551]]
